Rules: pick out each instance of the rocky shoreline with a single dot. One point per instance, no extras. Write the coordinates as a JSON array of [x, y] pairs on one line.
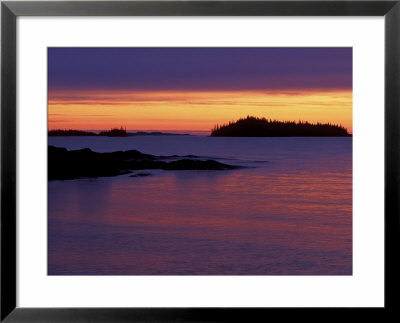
[[72, 164]]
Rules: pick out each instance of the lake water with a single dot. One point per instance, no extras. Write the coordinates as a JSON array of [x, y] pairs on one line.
[[288, 213]]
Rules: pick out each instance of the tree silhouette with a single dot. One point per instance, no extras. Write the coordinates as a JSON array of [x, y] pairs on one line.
[[261, 127]]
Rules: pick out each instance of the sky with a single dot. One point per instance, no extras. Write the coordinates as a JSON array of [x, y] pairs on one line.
[[178, 89]]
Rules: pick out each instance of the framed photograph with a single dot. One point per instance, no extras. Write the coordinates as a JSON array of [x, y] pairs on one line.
[[198, 161]]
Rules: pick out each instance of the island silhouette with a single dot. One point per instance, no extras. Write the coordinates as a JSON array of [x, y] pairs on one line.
[[262, 127], [121, 132], [115, 132]]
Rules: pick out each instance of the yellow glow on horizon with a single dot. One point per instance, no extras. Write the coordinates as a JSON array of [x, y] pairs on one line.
[[192, 110]]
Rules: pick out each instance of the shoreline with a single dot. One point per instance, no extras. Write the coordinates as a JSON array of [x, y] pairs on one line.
[[73, 164]]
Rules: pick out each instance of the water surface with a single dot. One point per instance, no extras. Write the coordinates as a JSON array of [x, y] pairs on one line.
[[288, 213]]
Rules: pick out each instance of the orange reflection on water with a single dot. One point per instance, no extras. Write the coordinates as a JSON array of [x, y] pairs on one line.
[[244, 222]]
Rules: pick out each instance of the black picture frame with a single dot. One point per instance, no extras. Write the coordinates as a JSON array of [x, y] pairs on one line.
[[10, 10]]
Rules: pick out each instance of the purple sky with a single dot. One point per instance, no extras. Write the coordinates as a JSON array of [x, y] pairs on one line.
[[199, 68]]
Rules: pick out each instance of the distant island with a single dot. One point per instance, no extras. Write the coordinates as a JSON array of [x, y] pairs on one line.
[[72, 164], [115, 132], [121, 132], [70, 132], [261, 127]]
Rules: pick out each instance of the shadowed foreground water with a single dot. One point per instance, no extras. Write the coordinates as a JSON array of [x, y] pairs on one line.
[[289, 214]]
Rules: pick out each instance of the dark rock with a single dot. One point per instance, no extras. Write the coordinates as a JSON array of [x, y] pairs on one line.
[[72, 164]]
